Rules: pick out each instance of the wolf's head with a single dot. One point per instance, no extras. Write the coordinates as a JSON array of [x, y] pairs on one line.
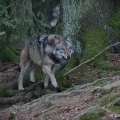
[[62, 47]]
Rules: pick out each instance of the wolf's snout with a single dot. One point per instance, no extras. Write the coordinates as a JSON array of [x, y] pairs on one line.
[[68, 57]]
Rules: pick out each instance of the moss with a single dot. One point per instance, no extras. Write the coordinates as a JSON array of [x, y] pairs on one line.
[[41, 93], [92, 116], [106, 99], [115, 109], [12, 116], [77, 82], [5, 92], [114, 73], [91, 76], [8, 100], [59, 76], [7, 55], [38, 75], [101, 74], [29, 96], [96, 39], [47, 105], [114, 21]]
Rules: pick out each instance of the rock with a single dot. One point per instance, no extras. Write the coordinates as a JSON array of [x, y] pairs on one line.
[[39, 87], [113, 84], [94, 109], [29, 96], [97, 89], [40, 94], [117, 102]]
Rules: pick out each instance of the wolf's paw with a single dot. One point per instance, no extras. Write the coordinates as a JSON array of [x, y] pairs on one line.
[[21, 88], [55, 84], [45, 84], [32, 80]]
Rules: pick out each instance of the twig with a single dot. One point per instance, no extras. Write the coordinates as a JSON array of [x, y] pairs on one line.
[[92, 58]]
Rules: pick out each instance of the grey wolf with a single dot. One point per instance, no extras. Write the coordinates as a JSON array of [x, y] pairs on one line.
[[44, 51]]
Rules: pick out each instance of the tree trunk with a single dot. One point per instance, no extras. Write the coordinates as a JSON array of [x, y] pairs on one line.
[[79, 15], [72, 12]]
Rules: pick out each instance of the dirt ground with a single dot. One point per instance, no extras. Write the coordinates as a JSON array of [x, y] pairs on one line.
[[70, 107]]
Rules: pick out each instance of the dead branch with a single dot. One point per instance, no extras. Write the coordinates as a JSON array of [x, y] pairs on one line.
[[92, 58]]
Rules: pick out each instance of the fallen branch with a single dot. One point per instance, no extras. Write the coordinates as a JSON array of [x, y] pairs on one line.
[[92, 58]]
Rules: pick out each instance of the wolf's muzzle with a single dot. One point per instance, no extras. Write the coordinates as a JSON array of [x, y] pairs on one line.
[[67, 58]]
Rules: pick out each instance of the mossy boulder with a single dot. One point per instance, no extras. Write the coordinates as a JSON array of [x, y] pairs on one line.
[[29, 96]]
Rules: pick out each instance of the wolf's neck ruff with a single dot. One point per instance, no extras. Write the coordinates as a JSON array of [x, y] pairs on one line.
[[42, 40], [52, 56]]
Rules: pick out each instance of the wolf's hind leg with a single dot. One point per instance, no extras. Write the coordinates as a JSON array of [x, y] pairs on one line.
[[46, 81], [24, 68], [32, 78], [24, 64]]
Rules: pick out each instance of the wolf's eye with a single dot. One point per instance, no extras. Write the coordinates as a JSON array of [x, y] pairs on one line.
[[62, 51], [70, 49]]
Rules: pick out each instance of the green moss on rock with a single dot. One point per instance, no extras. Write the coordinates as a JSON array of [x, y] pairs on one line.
[[96, 39], [92, 116], [93, 113], [114, 21]]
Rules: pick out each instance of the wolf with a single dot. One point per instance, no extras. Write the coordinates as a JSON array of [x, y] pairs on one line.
[[44, 51]]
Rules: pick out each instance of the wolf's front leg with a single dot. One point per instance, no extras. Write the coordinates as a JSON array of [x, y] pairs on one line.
[[48, 71]]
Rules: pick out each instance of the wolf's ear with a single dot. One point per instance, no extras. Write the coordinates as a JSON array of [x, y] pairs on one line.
[[56, 40], [53, 39], [68, 38]]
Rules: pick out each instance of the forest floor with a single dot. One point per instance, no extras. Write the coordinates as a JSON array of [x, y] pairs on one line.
[[68, 106]]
